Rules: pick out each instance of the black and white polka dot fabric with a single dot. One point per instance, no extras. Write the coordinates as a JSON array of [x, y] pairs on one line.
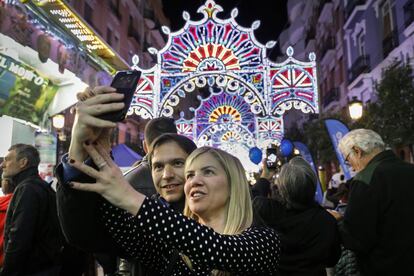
[[157, 232]]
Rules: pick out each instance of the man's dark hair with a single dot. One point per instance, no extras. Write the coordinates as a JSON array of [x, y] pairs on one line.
[[158, 126], [183, 142], [27, 151]]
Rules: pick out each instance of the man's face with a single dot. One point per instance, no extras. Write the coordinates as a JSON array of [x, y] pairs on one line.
[[168, 171], [11, 166], [355, 160]]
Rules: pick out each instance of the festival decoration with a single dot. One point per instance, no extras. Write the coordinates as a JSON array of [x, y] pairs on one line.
[[286, 148], [255, 155], [214, 78]]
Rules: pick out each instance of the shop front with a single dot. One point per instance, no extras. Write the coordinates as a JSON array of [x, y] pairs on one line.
[[44, 62]]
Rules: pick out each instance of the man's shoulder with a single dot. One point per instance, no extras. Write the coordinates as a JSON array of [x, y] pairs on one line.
[[32, 185]]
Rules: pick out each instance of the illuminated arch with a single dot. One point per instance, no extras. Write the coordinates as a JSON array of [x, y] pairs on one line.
[[247, 93]]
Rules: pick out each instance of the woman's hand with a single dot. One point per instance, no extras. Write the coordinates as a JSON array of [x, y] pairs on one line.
[[87, 127], [110, 182]]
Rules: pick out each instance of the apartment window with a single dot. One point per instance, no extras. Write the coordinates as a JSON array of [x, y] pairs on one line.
[[337, 19], [361, 43], [109, 36], [88, 13], [116, 43], [388, 26], [332, 78], [114, 6]]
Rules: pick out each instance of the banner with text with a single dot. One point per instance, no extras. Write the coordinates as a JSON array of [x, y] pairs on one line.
[[24, 94]]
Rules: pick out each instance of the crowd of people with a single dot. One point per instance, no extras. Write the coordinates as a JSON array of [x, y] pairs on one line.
[[185, 210]]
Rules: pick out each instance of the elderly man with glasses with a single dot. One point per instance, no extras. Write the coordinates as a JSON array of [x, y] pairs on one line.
[[378, 223]]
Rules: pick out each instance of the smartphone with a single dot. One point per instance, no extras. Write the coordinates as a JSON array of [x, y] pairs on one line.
[[126, 83], [271, 158]]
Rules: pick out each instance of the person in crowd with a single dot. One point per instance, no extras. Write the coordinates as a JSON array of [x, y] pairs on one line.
[[217, 196], [262, 187], [140, 175], [7, 188], [309, 235], [331, 193], [32, 237], [377, 224]]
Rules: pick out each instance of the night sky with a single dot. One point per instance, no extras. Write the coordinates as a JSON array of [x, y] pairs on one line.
[[273, 17]]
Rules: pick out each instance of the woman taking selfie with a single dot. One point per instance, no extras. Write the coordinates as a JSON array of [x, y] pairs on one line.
[[217, 196], [217, 238]]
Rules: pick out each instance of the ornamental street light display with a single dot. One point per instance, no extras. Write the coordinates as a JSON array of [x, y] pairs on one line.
[[355, 107], [215, 79]]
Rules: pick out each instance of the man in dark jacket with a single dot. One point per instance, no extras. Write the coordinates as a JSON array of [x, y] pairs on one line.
[[32, 243], [378, 224]]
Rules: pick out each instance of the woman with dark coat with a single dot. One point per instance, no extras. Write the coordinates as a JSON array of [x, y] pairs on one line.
[[309, 235]]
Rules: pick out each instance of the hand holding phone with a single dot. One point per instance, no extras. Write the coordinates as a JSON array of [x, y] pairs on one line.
[[126, 83]]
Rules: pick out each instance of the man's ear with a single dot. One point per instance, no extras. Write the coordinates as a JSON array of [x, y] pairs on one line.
[[357, 151], [23, 162], [144, 146]]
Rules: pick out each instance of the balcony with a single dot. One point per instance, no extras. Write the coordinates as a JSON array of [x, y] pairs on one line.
[[132, 32], [115, 9], [149, 13], [361, 65], [389, 43], [322, 4], [310, 34], [328, 44], [325, 14], [333, 95], [351, 6], [408, 13]]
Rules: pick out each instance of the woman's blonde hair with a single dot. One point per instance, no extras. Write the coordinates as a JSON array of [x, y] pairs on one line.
[[239, 211]]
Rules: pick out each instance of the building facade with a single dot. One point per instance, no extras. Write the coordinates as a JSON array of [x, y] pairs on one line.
[[129, 26], [354, 41], [377, 33]]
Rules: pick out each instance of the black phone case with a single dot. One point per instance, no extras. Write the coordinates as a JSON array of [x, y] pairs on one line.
[[118, 116]]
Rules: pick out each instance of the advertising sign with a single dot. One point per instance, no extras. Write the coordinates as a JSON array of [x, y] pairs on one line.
[[24, 94]]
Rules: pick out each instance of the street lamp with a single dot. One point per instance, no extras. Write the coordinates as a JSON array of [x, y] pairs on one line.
[[355, 108], [58, 121]]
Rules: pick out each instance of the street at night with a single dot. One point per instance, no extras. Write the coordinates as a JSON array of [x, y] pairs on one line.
[[227, 137]]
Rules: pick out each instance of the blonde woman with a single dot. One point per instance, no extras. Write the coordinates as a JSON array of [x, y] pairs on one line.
[[217, 238]]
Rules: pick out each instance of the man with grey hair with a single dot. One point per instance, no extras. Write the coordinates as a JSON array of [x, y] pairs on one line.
[[378, 223], [32, 237]]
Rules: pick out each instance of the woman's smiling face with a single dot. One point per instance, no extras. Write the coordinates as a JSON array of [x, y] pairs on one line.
[[206, 188]]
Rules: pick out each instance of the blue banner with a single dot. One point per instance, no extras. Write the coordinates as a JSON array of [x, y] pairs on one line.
[[305, 153], [337, 130]]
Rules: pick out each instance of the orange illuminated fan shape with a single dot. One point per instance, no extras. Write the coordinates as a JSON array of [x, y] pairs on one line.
[[211, 57]]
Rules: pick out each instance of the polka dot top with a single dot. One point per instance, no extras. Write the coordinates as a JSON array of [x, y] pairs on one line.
[[158, 233]]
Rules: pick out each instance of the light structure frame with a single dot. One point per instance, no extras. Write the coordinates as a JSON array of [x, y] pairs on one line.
[[216, 80]]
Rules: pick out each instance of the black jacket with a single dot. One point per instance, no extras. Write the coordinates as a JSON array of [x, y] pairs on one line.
[[378, 224], [310, 238], [32, 237]]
